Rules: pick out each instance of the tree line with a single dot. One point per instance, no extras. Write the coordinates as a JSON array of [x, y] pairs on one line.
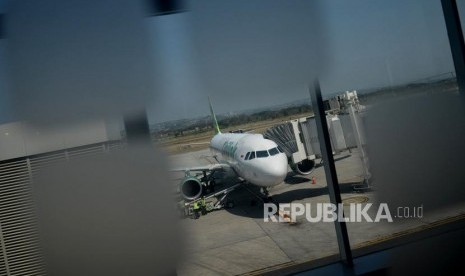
[[204, 125]]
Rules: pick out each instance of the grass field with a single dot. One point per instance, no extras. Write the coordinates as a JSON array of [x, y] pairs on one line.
[[198, 141]]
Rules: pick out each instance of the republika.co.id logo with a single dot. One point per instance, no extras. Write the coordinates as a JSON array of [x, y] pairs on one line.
[[329, 212]]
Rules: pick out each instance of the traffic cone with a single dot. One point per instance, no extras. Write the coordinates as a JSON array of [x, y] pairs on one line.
[[285, 216], [313, 180]]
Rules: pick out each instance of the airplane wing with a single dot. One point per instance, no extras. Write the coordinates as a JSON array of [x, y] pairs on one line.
[[205, 168]]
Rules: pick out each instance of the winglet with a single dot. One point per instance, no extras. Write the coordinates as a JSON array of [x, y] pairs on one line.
[[216, 128]]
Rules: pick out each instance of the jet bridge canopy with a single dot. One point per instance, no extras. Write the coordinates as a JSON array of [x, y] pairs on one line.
[[344, 116]]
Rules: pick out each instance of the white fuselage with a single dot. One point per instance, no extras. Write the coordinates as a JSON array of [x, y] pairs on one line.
[[267, 168]]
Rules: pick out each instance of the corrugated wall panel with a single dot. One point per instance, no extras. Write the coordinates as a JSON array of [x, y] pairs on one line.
[[20, 252], [20, 248]]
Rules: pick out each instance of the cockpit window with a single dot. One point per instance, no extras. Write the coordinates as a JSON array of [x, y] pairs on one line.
[[262, 153], [247, 156], [280, 149], [252, 155], [273, 151]]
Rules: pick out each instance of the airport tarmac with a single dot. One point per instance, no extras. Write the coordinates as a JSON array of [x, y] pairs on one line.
[[238, 241]]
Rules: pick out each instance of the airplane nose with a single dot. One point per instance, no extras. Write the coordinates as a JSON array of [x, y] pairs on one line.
[[277, 170]]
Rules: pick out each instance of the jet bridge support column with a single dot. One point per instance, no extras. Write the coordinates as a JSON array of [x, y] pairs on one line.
[[330, 172], [362, 152], [301, 153]]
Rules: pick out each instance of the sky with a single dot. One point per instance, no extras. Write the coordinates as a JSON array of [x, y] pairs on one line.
[[252, 54], [247, 54]]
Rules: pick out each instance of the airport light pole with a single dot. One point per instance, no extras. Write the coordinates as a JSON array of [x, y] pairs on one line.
[[330, 171]]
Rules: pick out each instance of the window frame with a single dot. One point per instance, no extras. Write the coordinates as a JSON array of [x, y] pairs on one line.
[[262, 152], [276, 151], [252, 155]]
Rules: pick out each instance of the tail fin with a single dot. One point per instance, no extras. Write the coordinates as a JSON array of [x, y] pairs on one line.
[[216, 128]]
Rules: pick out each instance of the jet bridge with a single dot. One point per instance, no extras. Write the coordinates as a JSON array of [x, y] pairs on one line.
[[299, 138]]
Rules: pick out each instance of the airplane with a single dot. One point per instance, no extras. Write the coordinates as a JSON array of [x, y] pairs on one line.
[[248, 156]]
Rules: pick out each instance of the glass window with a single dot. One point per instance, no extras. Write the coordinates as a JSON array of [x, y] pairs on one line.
[[273, 151], [247, 156], [252, 155], [262, 154], [280, 149]]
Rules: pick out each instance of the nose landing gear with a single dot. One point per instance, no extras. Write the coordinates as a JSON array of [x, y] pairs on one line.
[[263, 196]]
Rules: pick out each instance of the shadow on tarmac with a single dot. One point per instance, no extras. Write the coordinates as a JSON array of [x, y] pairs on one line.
[[247, 205]]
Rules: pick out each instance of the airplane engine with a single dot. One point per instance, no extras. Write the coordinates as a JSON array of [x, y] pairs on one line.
[[303, 167], [191, 188]]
